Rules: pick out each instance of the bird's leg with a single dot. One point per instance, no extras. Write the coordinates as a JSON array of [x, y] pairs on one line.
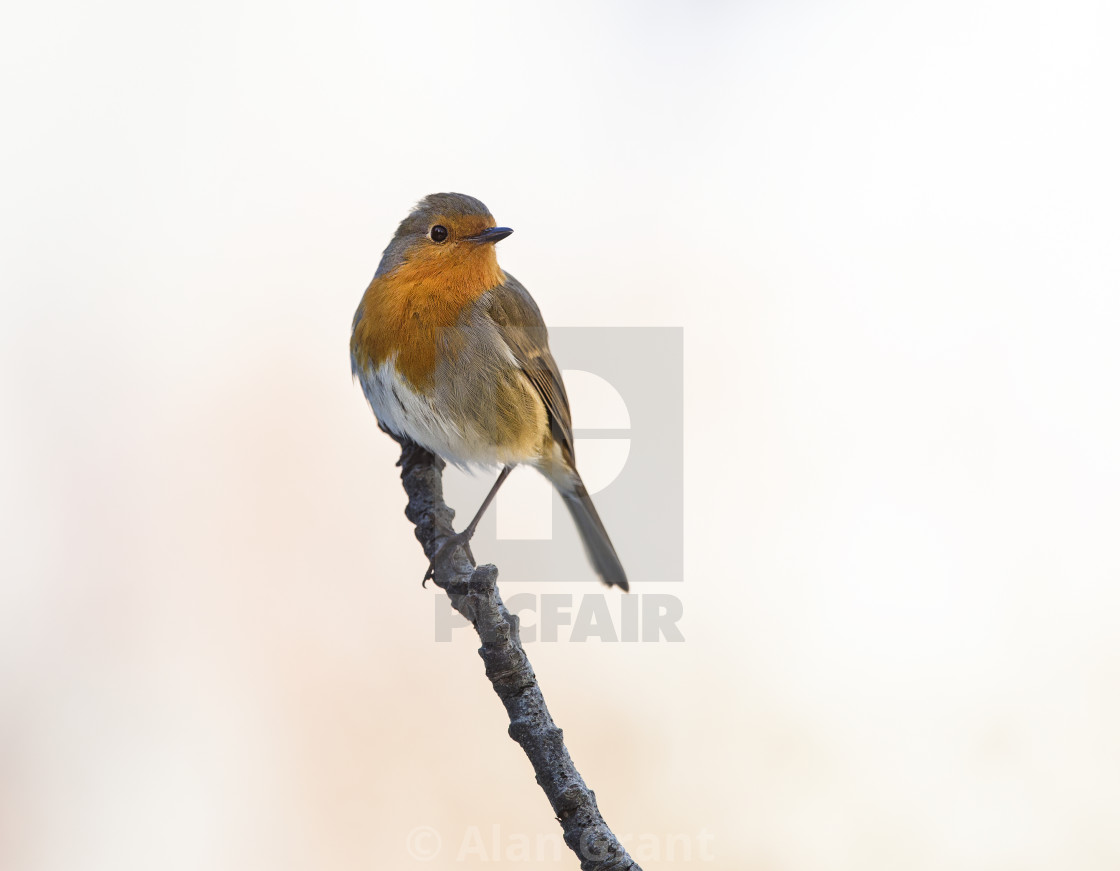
[[463, 539]]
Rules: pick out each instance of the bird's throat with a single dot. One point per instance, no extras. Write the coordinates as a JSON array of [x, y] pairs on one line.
[[406, 314]]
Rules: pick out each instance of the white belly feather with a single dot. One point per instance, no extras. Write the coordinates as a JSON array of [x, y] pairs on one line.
[[399, 408]]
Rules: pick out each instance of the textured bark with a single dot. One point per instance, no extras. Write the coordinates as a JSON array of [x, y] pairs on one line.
[[474, 594]]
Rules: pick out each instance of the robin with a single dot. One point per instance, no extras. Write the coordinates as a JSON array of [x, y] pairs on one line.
[[452, 353]]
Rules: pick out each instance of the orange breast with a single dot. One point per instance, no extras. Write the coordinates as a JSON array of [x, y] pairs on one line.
[[403, 313]]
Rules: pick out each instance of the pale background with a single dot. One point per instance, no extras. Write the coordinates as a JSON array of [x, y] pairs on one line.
[[889, 232]]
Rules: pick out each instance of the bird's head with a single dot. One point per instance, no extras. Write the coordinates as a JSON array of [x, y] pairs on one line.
[[447, 235]]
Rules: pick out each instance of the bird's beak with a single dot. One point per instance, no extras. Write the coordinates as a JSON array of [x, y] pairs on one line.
[[489, 235]]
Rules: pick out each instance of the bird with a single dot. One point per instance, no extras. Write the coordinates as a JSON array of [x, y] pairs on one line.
[[452, 354]]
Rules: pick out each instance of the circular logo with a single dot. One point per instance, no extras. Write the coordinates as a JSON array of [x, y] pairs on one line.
[[424, 843]]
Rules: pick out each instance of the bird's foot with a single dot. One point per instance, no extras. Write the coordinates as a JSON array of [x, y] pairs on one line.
[[459, 539]]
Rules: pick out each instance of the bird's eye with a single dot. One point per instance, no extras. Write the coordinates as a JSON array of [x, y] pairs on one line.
[[438, 233]]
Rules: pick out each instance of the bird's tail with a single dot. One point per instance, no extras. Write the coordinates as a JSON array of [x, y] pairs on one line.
[[595, 539]]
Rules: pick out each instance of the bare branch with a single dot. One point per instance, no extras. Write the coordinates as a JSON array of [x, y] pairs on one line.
[[474, 594]]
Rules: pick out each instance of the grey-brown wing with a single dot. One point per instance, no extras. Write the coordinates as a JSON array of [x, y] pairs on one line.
[[522, 328]]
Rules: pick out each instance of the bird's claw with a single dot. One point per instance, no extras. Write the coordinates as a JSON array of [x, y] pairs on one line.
[[459, 539]]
